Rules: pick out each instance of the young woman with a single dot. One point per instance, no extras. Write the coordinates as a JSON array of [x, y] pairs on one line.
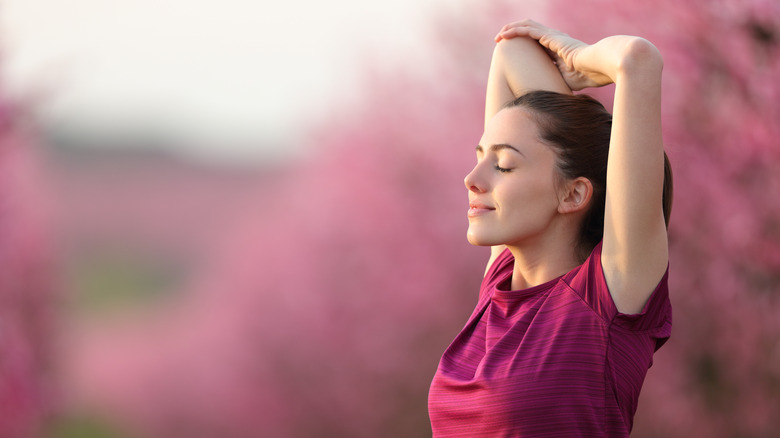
[[575, 204]]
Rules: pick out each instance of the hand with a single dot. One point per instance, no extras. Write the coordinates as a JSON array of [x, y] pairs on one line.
[[564, 50]]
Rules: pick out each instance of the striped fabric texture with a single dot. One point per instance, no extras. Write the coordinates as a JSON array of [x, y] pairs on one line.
[[554, 360]]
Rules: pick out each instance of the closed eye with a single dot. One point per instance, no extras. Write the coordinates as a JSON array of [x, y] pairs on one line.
[[502, 169]]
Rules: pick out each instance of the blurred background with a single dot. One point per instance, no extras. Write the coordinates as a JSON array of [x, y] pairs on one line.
[[241, 219]]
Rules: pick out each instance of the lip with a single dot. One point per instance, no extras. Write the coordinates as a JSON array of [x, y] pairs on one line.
[[478, 209]]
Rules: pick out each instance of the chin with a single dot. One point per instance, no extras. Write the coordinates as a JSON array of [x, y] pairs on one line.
[[480, 240]]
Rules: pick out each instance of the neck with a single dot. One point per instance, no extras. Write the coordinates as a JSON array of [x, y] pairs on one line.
[[542, 260]]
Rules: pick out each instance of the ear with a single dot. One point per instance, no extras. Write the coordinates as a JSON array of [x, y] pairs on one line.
[[575, 196]]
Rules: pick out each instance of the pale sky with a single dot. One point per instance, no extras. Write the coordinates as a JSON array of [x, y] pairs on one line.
[[201, 69]]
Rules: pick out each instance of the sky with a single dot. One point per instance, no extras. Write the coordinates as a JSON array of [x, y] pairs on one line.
[[244, 74]]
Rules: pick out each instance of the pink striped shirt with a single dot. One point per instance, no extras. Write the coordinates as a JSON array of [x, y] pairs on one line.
[[554, 360]]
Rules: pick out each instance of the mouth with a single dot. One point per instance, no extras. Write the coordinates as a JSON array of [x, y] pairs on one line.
[[478, 209]]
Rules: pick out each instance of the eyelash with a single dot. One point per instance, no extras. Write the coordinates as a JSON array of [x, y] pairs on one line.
[[502, 169]]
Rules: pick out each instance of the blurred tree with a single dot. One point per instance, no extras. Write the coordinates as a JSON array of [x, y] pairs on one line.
[[327, 312], [720, 375], [26, 285]]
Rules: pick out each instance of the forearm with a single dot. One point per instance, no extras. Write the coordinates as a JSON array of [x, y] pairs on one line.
[[636, 149], [635, 65], [620, 57], [519, 65]]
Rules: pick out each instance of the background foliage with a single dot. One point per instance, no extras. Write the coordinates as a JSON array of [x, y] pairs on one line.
[[325, 311]]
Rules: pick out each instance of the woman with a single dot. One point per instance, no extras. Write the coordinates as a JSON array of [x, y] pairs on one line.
[[574, 204]]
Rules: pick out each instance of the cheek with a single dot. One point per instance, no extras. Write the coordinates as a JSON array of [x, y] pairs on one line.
[[535, 193]]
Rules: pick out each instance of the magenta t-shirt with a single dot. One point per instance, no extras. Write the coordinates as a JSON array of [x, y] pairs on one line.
[[554, 360]]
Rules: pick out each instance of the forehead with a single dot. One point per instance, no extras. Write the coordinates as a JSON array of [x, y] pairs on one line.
[[513, 126]]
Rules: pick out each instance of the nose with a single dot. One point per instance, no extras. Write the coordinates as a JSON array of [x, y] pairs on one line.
[[474, 180]]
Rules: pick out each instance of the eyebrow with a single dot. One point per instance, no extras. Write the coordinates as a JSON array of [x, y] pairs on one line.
[[498, 147]]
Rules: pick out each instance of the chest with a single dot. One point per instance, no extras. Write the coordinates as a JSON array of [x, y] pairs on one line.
[[536, 358]]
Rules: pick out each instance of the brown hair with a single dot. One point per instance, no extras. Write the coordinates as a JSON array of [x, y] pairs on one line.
[[578, 128]]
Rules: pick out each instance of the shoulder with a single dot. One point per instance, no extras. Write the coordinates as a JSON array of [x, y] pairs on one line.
[[590, 283]]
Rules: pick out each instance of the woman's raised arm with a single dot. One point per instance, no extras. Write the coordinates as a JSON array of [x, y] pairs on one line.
[[519, 65], [635, 247]]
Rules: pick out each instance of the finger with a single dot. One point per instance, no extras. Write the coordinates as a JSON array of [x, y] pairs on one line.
[[522, 28], [519, 23], [524, 22], [505, 28], [512, 33], [513, 24], [553, 56], [505, 35]]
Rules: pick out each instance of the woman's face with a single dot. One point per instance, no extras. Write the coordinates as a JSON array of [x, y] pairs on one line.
[[512, 190]]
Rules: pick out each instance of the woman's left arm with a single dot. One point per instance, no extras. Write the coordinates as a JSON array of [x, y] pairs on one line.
[[635, 250]]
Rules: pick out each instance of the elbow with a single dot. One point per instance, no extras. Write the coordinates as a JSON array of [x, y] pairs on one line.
[[640, 56]]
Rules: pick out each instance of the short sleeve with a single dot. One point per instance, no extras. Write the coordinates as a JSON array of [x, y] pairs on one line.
[[655, 318]]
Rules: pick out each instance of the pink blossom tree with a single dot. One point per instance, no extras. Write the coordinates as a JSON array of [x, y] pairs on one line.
[[326, 312], [718, 376], [26, 285]]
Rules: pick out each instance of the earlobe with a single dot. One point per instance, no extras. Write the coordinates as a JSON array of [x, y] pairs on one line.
[[577, 195]]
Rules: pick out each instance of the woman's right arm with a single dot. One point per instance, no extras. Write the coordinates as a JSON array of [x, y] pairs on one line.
[[519, 65]]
